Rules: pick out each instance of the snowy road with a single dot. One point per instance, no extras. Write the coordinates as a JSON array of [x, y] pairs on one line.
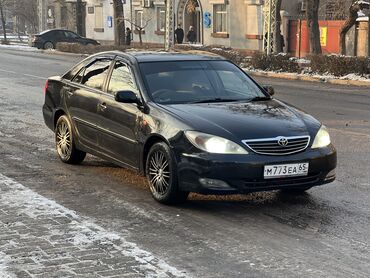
[[109, 214]]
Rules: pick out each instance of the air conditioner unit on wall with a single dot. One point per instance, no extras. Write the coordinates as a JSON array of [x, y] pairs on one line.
[[147, 3]]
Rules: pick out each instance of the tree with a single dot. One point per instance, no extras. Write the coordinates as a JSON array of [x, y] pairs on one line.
[[119, 23], [278, 39], [312, 14], [355, 7], [3, 4], [79, 18], [139, 28], [27, 11]]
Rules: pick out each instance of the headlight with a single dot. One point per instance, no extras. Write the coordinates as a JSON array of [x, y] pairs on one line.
[[322, 138], [214, 144]]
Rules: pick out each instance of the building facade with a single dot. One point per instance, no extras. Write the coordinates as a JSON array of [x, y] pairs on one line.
[[60, 14]]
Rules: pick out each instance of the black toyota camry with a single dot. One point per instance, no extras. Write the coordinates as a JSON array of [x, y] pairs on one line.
[[190, 123]]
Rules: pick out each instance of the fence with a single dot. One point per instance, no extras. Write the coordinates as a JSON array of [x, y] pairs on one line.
[[298, 39]]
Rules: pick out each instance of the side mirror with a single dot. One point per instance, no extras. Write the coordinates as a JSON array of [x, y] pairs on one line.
[[269, 89], [126, 97]]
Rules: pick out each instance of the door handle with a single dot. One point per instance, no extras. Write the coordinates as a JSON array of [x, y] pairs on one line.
[[103, 106]]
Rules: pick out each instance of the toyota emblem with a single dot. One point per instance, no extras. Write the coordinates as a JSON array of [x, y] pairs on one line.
[[282, 141]]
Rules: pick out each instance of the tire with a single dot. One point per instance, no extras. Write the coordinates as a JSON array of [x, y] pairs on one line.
[[49, 45], [65, 144], [161, 172], [296, 191]]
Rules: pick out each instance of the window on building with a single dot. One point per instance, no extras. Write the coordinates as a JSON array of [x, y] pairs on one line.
[[161, 17], [220, 18], [99, 22], [139, 18]]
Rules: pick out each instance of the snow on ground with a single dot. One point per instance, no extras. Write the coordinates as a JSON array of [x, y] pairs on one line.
[[19, 47], [4, 262], [323, 77], [82, 232]]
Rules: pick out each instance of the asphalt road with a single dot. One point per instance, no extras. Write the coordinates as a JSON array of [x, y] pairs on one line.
[[325, 233]]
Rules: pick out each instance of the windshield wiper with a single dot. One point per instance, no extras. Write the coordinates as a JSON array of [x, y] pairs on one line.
[[213, 100], [260, 98]]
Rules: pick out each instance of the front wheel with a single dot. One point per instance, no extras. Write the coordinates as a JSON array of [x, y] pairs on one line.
[[65, 144], [161, 172]]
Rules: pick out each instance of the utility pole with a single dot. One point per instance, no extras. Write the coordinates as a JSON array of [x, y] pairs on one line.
[[269, 25], [170, 35], [79, 17]]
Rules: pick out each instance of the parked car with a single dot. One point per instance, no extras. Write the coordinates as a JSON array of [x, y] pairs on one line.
[[189, 123], [48, 39]]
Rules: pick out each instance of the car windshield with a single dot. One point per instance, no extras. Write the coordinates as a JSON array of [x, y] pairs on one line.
[[198, 82]]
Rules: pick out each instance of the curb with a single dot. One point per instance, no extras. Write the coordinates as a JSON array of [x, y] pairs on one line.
[[334, 81], [56, 52]]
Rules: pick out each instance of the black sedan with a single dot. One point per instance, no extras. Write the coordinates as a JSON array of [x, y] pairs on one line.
[[48, 39], [190, 123]]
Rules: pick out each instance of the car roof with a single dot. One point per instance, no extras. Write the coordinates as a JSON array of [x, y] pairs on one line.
[[152, 56], [51, 30]]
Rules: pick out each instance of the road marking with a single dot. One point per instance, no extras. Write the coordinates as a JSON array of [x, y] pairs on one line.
[[21, 203], [34, 76], [24, 74], [8, 71]]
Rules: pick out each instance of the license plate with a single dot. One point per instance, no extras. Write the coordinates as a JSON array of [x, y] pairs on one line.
[[285, 170]]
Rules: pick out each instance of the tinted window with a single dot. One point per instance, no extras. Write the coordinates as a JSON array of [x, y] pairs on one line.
[[58, 35], [121, 79], [78, 78], [194, 81], [96, 73], [70, 35]]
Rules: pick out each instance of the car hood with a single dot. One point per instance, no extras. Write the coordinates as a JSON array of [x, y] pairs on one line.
[[251, 120]]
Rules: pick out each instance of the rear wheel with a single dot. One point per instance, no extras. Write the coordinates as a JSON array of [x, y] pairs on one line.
[[65, 144], [49, 45], [161, 172]]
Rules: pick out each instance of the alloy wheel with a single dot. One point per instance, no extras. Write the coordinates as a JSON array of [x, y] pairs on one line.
[[159, 173], [64, 140]]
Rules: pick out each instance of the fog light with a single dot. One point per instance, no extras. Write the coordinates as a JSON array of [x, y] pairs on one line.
[[330, 175], [215, 184]]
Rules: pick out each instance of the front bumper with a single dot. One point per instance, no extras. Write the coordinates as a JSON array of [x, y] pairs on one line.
[[244, 173]]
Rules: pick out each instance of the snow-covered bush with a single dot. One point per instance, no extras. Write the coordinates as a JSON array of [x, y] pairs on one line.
[[276, 62], [339, 65]]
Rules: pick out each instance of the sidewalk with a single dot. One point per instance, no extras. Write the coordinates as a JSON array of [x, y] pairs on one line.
[[40, 238], [311, 78]]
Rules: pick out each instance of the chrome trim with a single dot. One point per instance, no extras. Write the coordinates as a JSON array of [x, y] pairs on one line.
[[104, 130], [276, 139]]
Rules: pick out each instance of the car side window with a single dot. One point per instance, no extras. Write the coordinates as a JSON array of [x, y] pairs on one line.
[[96, 73], [79, 76], [70, 35], [121, 79], [59, 34]]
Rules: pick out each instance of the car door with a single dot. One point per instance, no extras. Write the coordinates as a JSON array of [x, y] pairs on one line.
[[59, 36], [119, 120], [83, 98]]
